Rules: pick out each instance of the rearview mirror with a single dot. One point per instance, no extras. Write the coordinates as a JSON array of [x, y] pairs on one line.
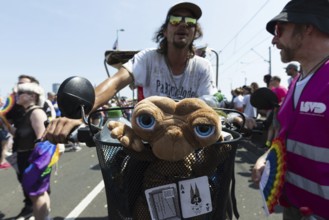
[[75, 97], [264, 98]]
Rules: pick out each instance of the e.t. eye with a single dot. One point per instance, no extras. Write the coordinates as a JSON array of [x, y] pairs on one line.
[[204, 131], [145, 121]]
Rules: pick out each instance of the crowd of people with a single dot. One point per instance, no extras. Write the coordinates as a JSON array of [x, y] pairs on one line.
[[301, 33], [241, 102]]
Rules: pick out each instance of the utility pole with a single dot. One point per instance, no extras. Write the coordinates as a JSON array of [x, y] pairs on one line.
[[269, 62]]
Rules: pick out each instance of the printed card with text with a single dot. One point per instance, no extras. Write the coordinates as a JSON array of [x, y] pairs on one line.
[[195, 197], [163, 202]]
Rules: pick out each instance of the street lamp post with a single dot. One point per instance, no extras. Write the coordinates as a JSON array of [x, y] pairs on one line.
[[117, 41], [216, 65], [202, 52]]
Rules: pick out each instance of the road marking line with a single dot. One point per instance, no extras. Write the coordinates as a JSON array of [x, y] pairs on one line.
[[85, 202]]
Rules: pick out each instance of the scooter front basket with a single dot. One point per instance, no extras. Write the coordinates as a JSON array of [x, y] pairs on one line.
[[127, 176]]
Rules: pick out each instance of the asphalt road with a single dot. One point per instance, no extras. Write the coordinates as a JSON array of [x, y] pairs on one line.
[[78, 193], [76, 177]]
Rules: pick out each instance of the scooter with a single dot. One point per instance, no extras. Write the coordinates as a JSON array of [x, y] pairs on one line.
[[124, 174]]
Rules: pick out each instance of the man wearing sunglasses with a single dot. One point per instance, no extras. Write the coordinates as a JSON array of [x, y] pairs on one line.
[[301, 33], [172, 70]]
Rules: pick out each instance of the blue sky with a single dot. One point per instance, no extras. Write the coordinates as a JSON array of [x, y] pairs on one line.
[[53, 40]]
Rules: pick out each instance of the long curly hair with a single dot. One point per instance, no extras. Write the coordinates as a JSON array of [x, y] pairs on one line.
[[163, 43]]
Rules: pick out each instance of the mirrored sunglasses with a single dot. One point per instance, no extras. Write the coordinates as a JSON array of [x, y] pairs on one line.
[[176, 20]]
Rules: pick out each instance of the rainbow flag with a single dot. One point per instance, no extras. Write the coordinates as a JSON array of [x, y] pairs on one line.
[[273, 175], [10, 102]]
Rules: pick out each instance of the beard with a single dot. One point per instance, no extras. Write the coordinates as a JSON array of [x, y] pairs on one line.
[[287, 55], [180, 44], [288, 52]]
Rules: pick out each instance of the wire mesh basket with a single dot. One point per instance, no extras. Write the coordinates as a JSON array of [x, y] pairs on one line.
[[127, 176]]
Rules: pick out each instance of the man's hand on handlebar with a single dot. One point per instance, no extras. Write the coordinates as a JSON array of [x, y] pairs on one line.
[[59, 129]]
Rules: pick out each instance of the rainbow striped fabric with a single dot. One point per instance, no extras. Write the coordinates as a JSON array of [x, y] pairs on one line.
[[273, 175], [36, 177], [10, 102]]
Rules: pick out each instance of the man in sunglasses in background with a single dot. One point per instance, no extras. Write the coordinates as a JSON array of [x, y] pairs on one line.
[[172, 70], [292, 72], [301, 32]]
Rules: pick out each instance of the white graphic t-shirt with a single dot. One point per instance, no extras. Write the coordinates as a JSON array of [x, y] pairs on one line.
[[151, 72]]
